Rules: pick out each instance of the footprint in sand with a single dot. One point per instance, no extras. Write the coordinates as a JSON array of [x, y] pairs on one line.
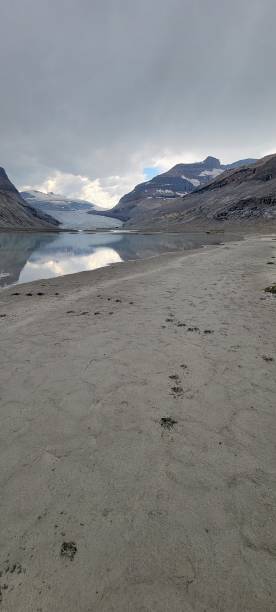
[[167, 422], [68, 550], [174, 377], [177, 391]]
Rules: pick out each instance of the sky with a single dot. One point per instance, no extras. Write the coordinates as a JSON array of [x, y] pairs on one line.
[[99, 95]]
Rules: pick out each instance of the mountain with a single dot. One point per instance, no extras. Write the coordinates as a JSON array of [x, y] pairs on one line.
[[246, 193], [239, 163], [70, 212], [178, 181], [50, 202], [15, 212]]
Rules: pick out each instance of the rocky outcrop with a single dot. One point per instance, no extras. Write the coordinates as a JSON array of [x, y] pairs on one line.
[[15, 212]]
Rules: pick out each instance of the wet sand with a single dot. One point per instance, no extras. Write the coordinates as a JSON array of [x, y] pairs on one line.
[[138, 436]]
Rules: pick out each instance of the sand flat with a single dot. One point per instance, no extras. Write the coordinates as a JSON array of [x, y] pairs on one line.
[[138, 436]]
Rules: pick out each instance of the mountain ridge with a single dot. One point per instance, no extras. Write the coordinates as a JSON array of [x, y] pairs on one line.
[[51, 201], [180, 180], [246, 193]]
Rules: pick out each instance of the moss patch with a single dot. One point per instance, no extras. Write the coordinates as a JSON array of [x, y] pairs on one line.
[[271, 289]]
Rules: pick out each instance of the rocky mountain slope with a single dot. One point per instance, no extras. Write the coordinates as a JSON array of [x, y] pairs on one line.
[[246, 193], [178, 181], [15, 212]]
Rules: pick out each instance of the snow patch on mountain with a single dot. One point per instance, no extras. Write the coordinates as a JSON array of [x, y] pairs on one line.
[[212, 173], [195, 182]]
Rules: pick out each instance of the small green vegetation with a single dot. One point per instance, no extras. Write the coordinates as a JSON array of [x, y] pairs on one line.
[[271, 289]]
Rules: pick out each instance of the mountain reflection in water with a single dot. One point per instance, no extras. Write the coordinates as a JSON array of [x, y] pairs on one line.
[[26, 256]]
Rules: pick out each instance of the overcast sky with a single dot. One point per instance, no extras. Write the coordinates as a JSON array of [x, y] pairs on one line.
[[95, 91]]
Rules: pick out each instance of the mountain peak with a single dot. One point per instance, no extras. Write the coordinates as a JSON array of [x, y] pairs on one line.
[[2, 173], [5, 183], [211, 162], [179, 181]]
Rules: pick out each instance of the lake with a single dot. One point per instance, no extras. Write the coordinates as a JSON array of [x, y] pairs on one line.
[[29, 256]]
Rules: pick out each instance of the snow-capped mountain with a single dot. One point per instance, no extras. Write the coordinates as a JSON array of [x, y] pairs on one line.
[[51, 202], [71, 213], [178, 181], [244, 194]]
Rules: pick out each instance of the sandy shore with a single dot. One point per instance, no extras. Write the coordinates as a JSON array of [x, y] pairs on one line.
[[104, 506]]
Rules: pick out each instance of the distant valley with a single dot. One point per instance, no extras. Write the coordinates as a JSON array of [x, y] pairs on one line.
[[200, 193], [70, 212], [52, 202]]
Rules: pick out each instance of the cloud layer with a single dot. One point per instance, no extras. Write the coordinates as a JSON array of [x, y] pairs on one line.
[[99, 90]]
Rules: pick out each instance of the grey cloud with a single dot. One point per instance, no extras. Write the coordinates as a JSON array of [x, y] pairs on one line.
[[94, 87]]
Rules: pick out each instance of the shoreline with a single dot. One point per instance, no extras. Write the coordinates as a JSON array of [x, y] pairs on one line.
[[202, 243], [138, 435], [112, 271], [240, 228]]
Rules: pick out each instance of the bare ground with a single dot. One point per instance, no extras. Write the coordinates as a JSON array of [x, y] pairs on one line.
[[138, 436]]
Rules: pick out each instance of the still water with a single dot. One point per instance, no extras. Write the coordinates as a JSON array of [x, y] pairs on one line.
[[29, 256]]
